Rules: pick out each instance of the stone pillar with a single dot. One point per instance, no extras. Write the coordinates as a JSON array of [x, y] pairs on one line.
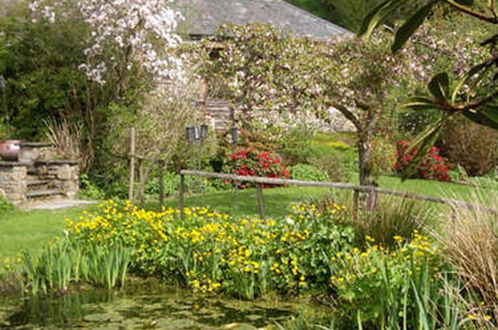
[[13, 181]]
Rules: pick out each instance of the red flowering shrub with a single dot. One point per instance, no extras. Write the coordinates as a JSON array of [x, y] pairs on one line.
[[251, 162], [434, 166]]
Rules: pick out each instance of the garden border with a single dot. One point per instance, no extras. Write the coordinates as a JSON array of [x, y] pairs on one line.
[[338, 185]]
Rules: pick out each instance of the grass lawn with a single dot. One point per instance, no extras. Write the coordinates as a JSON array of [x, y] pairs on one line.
[[32, 230]]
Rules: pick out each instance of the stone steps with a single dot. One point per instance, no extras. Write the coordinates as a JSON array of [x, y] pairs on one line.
[[40, 194], [32, 183]]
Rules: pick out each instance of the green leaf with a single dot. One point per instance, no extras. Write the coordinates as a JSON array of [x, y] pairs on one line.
[[486, 115], [368, 18], [471, 73], [439, 86], [410, 26], [419, 103], [378, 15]]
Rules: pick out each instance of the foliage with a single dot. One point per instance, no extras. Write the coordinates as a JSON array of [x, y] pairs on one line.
[[251, 162], [89, 190], [65, 262], [336, 155], [470, 145], [271, 73], [211, 251], [307, 173], [5, 205], [382, 288], [471, 241], [42, 86], [383, 156], [296, 145], [473, 94], [172, 182], [122, 35], [393, 217], [350, 14], [434, 166]]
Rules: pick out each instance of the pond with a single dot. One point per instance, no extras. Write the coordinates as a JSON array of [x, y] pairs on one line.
[[148, 306]]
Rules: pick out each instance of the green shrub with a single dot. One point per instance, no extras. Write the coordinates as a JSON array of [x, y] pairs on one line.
[[192, 184], [89, 189], [383, 154], [307, 173], [5, 205], [470, 145]]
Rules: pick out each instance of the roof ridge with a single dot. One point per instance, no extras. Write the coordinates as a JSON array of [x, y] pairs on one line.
[[302, 11]]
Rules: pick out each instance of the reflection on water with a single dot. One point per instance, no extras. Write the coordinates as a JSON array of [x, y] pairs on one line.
[[140, 307]]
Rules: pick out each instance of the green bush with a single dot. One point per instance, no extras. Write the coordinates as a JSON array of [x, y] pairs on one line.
[[89, 190], [383, 156], [472, 146], [5, 205], [307, 173], [192, 184]]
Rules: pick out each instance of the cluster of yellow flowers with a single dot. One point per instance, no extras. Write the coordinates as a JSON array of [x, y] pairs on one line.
[[208, 247], [410, 257]]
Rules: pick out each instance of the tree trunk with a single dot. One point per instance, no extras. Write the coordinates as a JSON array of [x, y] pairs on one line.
[[365, 160], [366, 168]]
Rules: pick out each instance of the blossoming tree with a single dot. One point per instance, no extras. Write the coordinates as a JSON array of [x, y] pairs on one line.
[[263, 68], [127, 49], [123, 34]]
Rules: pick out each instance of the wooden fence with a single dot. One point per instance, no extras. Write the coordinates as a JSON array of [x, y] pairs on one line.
[[371, 190]]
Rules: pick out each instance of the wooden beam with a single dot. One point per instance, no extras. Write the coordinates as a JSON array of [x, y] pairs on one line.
[[339, 185]]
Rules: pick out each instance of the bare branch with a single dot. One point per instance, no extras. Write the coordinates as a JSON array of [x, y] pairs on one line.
[[349, 115], [471, 12]]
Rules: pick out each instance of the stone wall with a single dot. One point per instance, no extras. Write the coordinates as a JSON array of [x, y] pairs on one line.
[[218, 114], [13, 181], [63, 175]]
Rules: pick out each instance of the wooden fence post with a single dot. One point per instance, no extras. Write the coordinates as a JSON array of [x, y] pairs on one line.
[[181, 191], [132, 164], [160, 176], [141, 180], [261, 202], [356, 196]]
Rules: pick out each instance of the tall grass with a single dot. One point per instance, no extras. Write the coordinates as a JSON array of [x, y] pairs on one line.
[[392, 217], [64, 263], [471, 240]]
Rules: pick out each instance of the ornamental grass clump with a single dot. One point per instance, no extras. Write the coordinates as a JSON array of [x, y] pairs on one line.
[[392, 217], [471, 241]]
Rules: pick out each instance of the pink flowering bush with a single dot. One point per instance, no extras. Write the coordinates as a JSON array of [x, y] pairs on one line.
[[252, 162], [433, 167]]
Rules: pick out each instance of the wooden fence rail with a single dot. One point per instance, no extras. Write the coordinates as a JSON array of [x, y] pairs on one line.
[[337, 185]]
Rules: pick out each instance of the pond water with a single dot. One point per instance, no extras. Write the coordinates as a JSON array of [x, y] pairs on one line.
[[146, 306]]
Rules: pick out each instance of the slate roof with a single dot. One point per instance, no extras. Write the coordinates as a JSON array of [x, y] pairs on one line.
[[202, 17]]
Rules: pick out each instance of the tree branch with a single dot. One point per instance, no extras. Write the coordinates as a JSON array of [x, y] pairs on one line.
[[471, 12], [492, 8], [349, 115]]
